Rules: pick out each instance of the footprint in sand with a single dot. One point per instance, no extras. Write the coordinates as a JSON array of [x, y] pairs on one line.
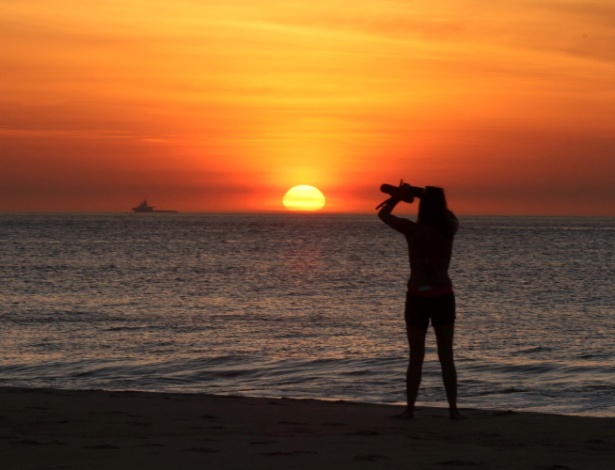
[[140, 423], [370, 457], [363, 433], [554, 467], [38, 443], [292, 452], [202, 450], [458, 463], [101, 446], [210, 417]]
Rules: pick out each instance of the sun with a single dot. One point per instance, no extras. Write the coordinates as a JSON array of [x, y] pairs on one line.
[[304, 198]]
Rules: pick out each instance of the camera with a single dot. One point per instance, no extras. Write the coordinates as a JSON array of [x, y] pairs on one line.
[[404, 191]]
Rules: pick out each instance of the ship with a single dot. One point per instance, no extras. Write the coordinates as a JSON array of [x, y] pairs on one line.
[[144, 207]]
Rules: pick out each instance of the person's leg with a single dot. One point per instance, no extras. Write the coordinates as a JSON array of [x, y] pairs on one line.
[[444, 336], [416, 340]]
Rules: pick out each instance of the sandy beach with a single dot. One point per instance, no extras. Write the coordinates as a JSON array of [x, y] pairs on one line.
[[58, 429]]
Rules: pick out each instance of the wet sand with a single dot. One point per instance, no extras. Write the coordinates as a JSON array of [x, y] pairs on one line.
[[57, 429]]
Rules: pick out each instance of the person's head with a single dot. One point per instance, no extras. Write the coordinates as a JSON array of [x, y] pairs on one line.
[[433, 209]]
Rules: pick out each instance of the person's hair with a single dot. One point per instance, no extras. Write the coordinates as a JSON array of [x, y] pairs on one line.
[[433, 209]]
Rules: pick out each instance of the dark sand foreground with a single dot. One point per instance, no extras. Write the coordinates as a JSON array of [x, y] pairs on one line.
[[53, 429]]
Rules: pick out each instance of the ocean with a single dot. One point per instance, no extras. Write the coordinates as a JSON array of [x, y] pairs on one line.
[[305, 306]]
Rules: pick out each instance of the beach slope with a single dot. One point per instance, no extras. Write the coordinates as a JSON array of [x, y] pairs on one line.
[[58, 429]]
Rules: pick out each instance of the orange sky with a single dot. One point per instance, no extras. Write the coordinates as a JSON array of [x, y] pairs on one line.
[[222, 105]]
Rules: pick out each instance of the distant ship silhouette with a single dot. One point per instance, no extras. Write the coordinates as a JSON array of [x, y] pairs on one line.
[[144, 207]]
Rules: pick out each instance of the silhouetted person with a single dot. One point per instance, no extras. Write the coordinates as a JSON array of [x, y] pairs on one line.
[[430, 292]]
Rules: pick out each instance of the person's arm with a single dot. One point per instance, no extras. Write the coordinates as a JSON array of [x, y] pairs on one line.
[[396, 223]]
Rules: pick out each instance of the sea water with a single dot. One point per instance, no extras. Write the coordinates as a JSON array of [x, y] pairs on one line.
[[304, 306]]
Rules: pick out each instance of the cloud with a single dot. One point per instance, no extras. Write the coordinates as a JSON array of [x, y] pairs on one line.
[[571, 28]]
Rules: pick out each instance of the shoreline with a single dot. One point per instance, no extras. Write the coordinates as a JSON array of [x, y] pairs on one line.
[[97, 429]]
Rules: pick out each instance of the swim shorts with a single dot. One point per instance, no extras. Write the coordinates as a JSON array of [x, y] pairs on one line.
[[420, 309]]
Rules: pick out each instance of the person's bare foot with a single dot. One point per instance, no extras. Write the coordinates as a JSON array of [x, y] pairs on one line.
[[407, 414], [455, 414]]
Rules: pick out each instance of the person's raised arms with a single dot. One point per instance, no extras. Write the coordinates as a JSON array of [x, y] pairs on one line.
[[396, 223]]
